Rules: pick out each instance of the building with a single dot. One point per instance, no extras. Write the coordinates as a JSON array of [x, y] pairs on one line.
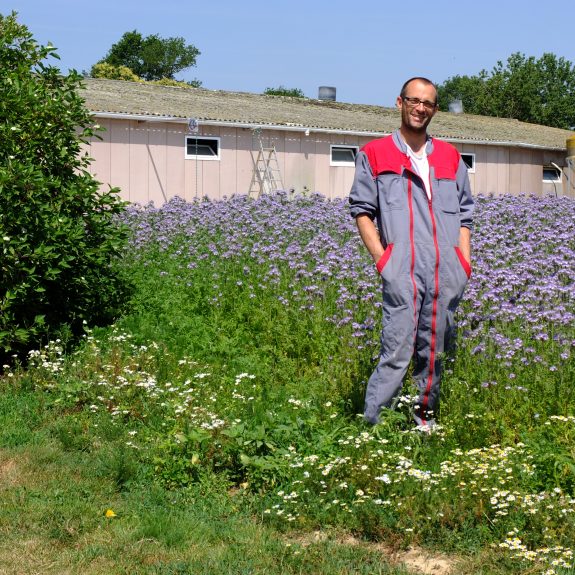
[[163, 141]]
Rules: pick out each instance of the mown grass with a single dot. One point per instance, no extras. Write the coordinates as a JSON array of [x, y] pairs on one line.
[[58, 480], [219, 419], [58, 477]]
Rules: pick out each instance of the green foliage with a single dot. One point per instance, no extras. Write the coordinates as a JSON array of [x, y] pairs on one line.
[[177, 83], [106, 70], [283, 91], [58, 237], [541, 91], [151, 57]]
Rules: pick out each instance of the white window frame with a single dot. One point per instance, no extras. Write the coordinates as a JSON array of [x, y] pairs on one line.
[[472, 156], [202, 156], [347, 147], [550, 180]]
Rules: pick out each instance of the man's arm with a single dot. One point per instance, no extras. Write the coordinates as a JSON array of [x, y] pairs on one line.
[[466, 207], [465, 243], [364, 206], [370, 236]]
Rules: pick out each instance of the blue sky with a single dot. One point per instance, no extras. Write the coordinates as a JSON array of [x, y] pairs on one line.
[[365, 49]]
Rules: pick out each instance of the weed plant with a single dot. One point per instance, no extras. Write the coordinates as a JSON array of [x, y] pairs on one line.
[[253, 329]]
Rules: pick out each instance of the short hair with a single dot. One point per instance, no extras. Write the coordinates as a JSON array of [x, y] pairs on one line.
[[420, 79]]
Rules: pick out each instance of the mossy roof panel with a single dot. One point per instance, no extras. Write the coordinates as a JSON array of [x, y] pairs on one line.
[[147, 99]]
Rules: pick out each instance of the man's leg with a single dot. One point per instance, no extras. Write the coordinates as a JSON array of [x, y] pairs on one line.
[[426, 374], [386, 380], [435, 334]]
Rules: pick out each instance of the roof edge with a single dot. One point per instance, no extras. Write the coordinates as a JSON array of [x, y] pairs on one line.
[[308, 129]]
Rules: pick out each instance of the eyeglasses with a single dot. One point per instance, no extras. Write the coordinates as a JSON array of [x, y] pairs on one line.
[[414, 102]]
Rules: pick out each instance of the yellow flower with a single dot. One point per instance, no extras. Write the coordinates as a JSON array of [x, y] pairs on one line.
[[109, 513]]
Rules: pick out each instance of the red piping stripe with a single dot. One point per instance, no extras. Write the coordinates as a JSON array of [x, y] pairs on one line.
[[412, 245], [433, 318], [384, 258], [463, 261]]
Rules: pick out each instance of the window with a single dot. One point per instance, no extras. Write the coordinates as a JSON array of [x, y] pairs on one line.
[[343, 155], [551, 174], [202, 148], [469, 161]]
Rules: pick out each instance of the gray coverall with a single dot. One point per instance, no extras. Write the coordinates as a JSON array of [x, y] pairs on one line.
[[423, 271]]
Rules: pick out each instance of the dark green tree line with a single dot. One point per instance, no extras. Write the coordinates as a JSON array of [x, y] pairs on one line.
[[151, 57], [541, 91]]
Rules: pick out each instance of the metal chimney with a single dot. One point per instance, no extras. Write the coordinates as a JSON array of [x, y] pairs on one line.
[[327, 93], [456, 107]]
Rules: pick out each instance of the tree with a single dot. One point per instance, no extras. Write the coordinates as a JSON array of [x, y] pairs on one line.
[[152, 57], [469, 89], [58, 236], [283, 91], [539, 91]]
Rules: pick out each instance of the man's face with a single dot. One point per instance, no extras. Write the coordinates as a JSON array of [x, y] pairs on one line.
[[416, 116]]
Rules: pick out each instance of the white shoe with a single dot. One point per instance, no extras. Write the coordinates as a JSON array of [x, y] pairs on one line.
[[427, 427]]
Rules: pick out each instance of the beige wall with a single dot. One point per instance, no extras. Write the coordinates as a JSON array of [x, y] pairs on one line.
[[501, 170], [146, 160]]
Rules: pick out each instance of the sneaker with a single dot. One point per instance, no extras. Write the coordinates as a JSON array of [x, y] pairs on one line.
[[428, 427]]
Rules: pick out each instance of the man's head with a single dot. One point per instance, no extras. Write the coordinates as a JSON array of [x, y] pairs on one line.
[[418, 104]]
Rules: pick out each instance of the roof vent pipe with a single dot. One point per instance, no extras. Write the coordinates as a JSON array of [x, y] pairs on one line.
[[456, 107], [326, 93]]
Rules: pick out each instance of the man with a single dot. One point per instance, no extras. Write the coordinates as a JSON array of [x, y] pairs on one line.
[[417, 189]]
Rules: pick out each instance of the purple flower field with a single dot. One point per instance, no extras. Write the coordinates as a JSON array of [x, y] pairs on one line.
[[524, 271], [306, 253]]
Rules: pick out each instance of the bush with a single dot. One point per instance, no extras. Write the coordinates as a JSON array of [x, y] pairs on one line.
[[111, 72], [105, 70], [58, 236], [283, 91], [176, 83]]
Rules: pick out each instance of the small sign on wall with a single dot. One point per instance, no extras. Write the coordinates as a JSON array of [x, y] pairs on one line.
[[193, 126]]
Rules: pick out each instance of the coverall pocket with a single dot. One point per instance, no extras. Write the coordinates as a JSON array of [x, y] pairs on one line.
[[446, 197], [396, 282], [382, 262], [396, 334], [464, 263], [394, 196]]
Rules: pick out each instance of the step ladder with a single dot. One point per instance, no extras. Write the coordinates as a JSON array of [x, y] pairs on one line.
[[267, 176]]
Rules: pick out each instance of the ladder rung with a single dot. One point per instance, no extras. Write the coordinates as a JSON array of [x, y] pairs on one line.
[[267, 173]]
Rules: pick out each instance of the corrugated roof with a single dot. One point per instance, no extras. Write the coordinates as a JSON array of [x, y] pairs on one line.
[[146, 99]]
